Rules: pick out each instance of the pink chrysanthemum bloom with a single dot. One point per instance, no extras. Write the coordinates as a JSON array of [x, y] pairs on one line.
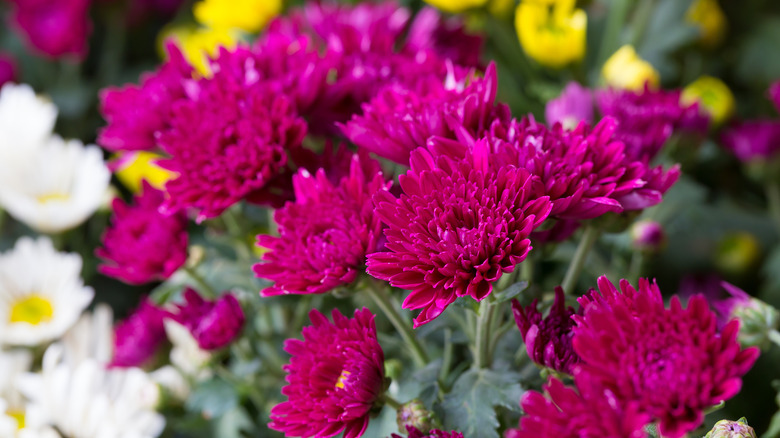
[[574, 105], [137, 338], [315, 253], [213, 324], [54, 28], [141, 244], [8, 71], [754, 139], [443, 37], [398, 120], [588, 412], [673, 362], [584, 171], [413, 432], [548, 339], [334, 378], [136, 114], [228, 139], [457, 227], [647, 118]]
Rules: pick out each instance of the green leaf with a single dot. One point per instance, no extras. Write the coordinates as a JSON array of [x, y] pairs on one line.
[[213, 398], [470, 406], [232, 423], [510, 292]]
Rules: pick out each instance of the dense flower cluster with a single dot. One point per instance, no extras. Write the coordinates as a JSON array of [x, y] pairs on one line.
[[142, 244], [458, 226], [316, 252], [334, 377]]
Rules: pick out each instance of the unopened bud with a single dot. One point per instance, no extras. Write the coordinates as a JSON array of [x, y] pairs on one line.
[[732, 429], [757, 320], [414, 414], [648, 236]]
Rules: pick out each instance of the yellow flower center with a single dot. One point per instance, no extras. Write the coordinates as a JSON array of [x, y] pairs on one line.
[[32, 309], [17, 415], [342, 379], [53, 196]]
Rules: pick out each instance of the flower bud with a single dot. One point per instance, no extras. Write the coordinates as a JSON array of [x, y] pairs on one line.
[[731, 429], [710, 19], [757, 318], [414, 414], [626, 70], [714, 97], [648, 236]]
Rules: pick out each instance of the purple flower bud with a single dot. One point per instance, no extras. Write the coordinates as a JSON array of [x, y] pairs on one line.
[[648, 236], [731, 429]]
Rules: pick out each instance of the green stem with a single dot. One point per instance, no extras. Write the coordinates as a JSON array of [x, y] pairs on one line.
[[773, 199], [234, 228], [446, 362], [382, 300], [615, 20], [635, 270], [487, 312], [589, 238], [205, 287], [390, 401], [641, 20]]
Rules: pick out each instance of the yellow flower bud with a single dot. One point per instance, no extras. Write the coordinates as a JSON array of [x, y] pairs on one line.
[[247, 15], [198, 44], [456, 6], [710, 19], [713, 96], [134, 167], [626, 70], [551, 32]]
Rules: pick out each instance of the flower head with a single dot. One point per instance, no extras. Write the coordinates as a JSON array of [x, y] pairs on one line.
[[199, 44], [444, 38], [626, 70], [551, 32], [587, 412], [133, 168], [228, 139], [456, 6], [214, 324], [648, 118], [315, 253], [754, 139], [26, 124], [137, 113], [648, 236], [574, 105], [642, 352], [708, 16], [731, 429], [54, 28], [141, 244], [713, 96], [458, 226], [41, 292], [246, 15], [137, 338], [398, 120], [334, 378], [548, 339]]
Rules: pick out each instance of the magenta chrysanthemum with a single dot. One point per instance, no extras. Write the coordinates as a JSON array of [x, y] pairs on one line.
[[399, 120], [228, 139], [673, 362], [574, 105], [54, 28], [136, 114], [137, 338], [213, 324], [456, 228], [754, 139], [335, 376], [141, 244], [548, 339], [588, 412], [316, 252], [413, 432], [647, 118]]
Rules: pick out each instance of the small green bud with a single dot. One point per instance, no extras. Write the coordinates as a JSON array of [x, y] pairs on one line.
[[732, 429], [757, 320], [414, 414]]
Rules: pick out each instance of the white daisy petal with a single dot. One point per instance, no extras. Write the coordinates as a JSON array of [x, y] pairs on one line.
[[26, 122]]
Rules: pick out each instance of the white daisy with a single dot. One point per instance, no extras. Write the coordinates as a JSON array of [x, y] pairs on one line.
[[88, 400], [92, 337], [186, 354], [58, 189], [26, 122], [41, 292]]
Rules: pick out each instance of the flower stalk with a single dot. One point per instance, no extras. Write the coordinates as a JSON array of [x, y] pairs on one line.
[[589, 238], [382, 300], [482, 341]]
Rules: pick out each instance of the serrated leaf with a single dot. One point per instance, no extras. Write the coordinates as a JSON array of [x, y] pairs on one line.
[[471, 405], [213, 398], [510, 292]]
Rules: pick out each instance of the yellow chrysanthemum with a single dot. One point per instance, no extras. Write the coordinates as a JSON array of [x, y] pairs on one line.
[[456, 6], [713, 96], [134, 167], [551, 32], [501, 8], [247, 15], [626, 70], [710, 19], [198, 44]]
